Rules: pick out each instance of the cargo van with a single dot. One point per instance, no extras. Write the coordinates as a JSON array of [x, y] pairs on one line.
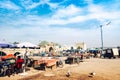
[[111, 53]]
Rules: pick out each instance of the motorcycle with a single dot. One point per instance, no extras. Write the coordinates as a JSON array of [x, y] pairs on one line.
[[6, 68]]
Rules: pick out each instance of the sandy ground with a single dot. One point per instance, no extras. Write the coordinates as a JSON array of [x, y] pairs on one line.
[[105, 69]]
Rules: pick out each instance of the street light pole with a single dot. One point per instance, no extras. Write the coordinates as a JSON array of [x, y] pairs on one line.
[[101, 38], [102, 46]]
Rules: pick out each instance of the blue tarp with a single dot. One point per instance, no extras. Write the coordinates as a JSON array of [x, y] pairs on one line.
[[6, 45]]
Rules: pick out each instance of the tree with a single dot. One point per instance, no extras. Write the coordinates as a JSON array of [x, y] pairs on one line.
[[15, 43], [79, 48], [56, 44], [72, 48], [43, 43]]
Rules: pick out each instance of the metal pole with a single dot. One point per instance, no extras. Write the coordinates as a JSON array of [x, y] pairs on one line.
[[26, 50], [101, 39], [102, 46]]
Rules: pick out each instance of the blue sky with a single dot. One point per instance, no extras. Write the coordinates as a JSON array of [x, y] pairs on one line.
[[61, 21]]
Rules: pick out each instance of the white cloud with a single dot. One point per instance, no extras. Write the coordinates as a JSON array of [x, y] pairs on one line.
[[34, 28], [9, 5], [100, 12], [53, 5], [61, 35], [28, 4], [67, 12], [34, 34], [72, 14]]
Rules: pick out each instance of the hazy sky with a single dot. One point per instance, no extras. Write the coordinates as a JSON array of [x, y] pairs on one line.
[[60, 21]]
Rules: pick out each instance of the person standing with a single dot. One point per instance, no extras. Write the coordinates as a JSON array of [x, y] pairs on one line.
[[18, 64]]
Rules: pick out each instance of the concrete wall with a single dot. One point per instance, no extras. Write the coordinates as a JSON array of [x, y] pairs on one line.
[[20, 50]]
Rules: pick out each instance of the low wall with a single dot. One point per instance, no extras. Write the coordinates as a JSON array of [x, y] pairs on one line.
[[20, 50]]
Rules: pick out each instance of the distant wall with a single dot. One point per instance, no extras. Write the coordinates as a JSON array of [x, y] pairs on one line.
[[20, 50]]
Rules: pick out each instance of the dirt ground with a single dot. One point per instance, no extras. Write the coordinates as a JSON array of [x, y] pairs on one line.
[[105, 69]]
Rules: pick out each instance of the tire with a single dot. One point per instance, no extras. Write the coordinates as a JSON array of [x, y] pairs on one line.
[[60, 64], [35, 65], [8, 72], [1, 71], [30, 62]]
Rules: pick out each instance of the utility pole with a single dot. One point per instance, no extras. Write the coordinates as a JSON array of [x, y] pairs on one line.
[[102, 44], [101, 30]]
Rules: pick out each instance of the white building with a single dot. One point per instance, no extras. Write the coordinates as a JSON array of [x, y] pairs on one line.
[[81, 45]]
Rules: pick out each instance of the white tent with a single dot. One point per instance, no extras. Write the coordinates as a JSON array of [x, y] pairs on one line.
[[26, 44]]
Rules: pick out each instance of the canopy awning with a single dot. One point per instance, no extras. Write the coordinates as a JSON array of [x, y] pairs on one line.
[[26, 44]]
